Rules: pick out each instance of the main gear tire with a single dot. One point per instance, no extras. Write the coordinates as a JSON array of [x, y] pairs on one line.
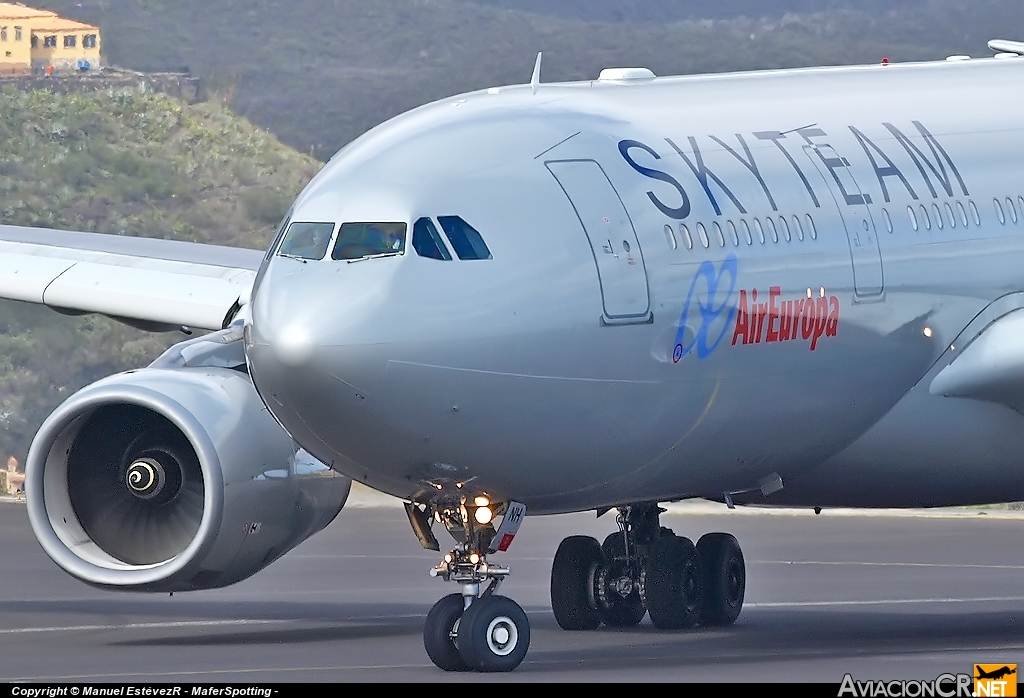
[[618, 610], [725, 577], [672, 583], [573, 573]]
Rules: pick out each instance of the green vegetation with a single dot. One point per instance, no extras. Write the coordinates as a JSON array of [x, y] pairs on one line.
[[320, 72], [123, 162]]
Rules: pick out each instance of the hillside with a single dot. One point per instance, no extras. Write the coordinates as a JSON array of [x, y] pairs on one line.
[[320, 72], [122, 162]]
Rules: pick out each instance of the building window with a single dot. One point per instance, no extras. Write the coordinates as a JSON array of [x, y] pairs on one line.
[[3, 33], [17, 33], [35, 41], [49, 42], [70, 41], [89, 41]]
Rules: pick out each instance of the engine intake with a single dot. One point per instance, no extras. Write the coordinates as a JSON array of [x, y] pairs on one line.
[[173, 479]]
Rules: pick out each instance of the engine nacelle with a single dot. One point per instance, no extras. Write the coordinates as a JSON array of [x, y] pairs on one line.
[[171, 480]]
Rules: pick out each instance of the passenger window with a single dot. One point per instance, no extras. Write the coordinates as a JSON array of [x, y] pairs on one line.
[[746, 231], [785, 228], [718, 233], [427, 241], [466, 241], [1020, 200], [811, 228], [949, 214], [926, 218], [888, 220], [362, 240], [307, 240], [963, 214], [938, 216], [771, 229], [671, 237], [686, 236], [703, 233], [974, 213], [1012, 209], [733, 234], [999, 212], [913, 218], [798, 228], [759, 230]]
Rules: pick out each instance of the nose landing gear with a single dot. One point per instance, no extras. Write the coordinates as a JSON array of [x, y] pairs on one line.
[[645, 568], [477, 630]]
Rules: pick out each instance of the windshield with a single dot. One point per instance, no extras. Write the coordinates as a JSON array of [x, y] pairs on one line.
[[307, 240], [361, 240]]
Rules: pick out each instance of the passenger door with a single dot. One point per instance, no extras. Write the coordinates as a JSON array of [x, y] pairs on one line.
[[620, 262]]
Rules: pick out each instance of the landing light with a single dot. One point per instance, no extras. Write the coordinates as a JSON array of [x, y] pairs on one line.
[[927, 331], [481, 501], [474, 558], [483, 515]]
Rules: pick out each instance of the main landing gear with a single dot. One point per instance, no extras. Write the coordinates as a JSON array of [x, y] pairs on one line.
[[646, 568], [477, 629]]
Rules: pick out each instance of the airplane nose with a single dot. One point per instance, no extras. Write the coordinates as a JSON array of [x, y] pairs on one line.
[[293, 345]]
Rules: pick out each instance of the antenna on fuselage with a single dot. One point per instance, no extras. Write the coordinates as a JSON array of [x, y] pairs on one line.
[[535, 80]]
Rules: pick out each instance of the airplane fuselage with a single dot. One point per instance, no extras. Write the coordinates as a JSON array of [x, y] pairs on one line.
[[696, 286]]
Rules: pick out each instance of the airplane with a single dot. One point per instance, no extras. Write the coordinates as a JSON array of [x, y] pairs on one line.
[[995, 673], [800, 287]]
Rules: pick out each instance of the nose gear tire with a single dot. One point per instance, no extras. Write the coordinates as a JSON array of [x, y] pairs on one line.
[[673, 587], [724, 576], [439, 634], [573, 572], [493, 634]]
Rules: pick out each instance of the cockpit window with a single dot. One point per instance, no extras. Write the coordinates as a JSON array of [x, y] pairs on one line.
[[466, 241], [427, 241], [307, 240], [362, 240]]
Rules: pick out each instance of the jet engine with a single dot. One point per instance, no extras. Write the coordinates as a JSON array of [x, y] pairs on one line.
[[172, 479]]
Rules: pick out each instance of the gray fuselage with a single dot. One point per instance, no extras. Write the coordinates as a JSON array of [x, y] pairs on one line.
[[698, 285]]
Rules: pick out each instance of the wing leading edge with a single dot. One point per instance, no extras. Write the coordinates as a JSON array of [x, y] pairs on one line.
[[147, 282]]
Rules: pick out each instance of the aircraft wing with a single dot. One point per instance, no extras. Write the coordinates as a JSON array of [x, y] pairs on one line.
[[146, 282], [991, 367]]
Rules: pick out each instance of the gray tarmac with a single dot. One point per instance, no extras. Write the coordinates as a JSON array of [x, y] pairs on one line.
[[880, 597]]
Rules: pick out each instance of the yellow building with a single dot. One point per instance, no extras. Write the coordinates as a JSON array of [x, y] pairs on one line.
[[41, 40]]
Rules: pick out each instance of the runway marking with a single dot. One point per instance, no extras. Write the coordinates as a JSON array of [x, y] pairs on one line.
[[140, 626], [260, 670], [888, 564], [879, 602]]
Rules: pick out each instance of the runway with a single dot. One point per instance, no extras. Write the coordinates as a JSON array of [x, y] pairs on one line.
[[880, 597]]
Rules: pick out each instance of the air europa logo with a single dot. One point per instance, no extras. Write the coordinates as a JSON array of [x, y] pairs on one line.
[[712, 306], [808, 318]]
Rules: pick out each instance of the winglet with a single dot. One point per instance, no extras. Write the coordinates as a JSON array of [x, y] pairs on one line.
[[535, 80]]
